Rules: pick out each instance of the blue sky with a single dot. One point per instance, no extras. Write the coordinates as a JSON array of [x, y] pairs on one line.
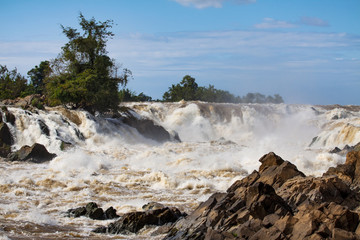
[[308, 51]]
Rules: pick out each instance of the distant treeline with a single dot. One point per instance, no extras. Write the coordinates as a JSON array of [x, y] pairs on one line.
[[189, 90]]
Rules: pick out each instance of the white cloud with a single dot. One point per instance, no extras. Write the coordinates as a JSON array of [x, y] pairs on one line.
[[210, 3], [270, 23], [313, 21]]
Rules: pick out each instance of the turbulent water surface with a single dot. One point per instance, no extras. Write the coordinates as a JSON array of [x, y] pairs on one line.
[[113, 165]]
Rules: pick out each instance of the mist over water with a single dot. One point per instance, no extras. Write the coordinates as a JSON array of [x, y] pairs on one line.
[[112, 164]]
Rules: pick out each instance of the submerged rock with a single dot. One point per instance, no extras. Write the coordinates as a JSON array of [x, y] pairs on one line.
[[37, 153], [277, 202]]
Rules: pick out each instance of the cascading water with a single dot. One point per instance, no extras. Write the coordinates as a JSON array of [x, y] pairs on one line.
[[111, 163]]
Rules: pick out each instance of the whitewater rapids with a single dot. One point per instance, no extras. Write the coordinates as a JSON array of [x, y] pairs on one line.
[[112, 164]]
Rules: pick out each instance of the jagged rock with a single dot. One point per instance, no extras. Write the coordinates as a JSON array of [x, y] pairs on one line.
[[348, 172], [134, 221], [278, 202], [275, 171], [310, 190], [346, 149], [37, 153]]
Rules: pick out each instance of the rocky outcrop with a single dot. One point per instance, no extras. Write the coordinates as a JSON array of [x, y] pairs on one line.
[[133, 222], [348, 172], [37, 153], [92, 211], [276, 202]]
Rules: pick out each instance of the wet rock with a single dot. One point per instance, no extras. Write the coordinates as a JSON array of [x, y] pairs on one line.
[[149, 129], [43, 127], [110, 213], [134, 221], [91, 210], [346, 149], [6, 140], [37, 153], [77, 212], [152, 206]]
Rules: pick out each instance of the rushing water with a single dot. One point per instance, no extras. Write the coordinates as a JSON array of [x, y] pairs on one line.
[[113, 165]]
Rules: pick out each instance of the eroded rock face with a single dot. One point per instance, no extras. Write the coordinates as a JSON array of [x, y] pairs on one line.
[[37, 153], [277, 202]]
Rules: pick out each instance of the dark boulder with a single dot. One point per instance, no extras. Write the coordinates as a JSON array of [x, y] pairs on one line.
[[37, 153], [6, 140], [91, 210], [77, 212], [133, 222], [8, 116]]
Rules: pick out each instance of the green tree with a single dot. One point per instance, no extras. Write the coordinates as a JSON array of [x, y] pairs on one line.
[[83, 75], [186, 90], [38, 74], [12, 84]]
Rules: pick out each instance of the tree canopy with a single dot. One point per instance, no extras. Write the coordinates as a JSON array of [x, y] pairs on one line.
[[37, 76], [12, 84], [83, 74]]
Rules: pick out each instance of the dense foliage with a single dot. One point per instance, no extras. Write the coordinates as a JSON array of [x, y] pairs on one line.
[[37, 76], [189, 90], [83, 75], [12, 84]]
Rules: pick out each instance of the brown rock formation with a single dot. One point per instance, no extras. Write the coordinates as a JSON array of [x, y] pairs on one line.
[[278, 202]]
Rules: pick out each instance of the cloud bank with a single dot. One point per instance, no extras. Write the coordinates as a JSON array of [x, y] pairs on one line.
[[300, 66]]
